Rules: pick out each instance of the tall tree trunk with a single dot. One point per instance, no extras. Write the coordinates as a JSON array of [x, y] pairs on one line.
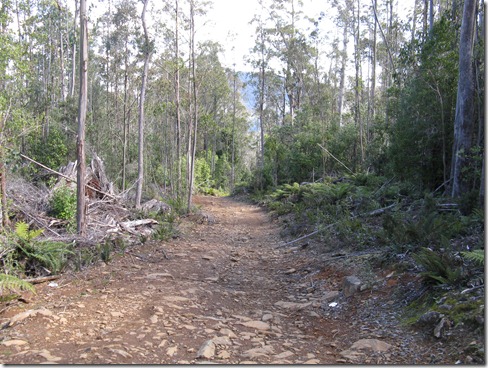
[[125, 118], [192, 143], [357, 58], [431, 17], [71, 91], [424, 18], [340, 103], [3, 172], [414, 21], [140, 161], [371, 109], [261, 113], [464, 118], [83, 99], [177, 103], [234, 102], [61, 67]]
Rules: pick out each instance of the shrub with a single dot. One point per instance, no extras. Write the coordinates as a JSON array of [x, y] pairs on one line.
[[63, 205], [52, 256], [439, 269]]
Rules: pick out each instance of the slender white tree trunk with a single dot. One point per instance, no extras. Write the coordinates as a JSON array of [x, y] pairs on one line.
[[83, 99], [140, 161]]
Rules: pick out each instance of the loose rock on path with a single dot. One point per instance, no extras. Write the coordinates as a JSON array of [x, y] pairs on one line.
[[223, 292]]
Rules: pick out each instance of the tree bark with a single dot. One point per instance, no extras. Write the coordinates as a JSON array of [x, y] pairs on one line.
[[464, 118], [125, 119], [340, 102], [71, 91], [140, 161], [193, 96], [261, 112], [82, 107], [372, 93], [177, 103]]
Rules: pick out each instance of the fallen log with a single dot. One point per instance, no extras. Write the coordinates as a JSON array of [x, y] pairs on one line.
[[130, 225], [136, 223], [379, 211], [40, 280]]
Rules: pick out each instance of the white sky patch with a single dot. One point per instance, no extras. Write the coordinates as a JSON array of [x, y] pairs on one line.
[[229, 24]]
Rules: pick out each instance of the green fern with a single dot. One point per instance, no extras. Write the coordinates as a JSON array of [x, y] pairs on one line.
[[23, 232], [477, 256], [439, 269], [13, 284]]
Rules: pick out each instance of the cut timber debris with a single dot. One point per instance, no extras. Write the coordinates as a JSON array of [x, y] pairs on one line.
[[110, 214], [130, 226]]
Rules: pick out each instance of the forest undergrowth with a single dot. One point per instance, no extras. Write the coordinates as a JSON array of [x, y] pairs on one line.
[[438, 240]]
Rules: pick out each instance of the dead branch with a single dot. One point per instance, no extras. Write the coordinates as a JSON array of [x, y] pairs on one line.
[[301, 238], [379, 211], [64, 176], [40, 280], [473, 288], [136, 223], [372, 213], [39, 223], [356, 254], [335, 158]]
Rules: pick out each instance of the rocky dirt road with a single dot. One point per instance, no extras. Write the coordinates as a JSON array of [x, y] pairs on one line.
[[225, 291]]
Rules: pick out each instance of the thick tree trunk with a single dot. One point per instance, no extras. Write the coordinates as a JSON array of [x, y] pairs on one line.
[[464, 118], [83, 99]]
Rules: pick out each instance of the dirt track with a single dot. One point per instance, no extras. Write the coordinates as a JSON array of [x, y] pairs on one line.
[[225, 285]]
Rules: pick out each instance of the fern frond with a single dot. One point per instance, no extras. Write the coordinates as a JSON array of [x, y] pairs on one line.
[[12, 283], [477, 256], [23, 232]]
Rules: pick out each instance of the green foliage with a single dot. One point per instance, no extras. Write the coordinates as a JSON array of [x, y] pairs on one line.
[[50, 255], [14, 284], [422, 137], [477, 256], [22, 231], [439, 269], [165, 230], [63, 205], [105, 250], [33, 254], [51, 150], [203, 174]]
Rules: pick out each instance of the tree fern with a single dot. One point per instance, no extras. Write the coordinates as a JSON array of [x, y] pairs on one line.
[[12, 283]]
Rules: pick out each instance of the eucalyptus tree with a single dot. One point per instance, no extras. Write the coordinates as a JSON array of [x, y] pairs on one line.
[[82, 109], [147, 51], [292, 48], [465, 104], [7, 54]]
